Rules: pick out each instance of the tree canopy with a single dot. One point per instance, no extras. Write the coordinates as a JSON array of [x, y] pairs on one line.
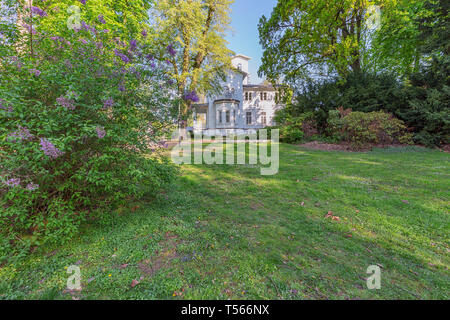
[[312, 38], [195, 30]]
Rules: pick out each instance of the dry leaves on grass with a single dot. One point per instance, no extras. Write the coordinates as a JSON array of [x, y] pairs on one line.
[[332, 216]]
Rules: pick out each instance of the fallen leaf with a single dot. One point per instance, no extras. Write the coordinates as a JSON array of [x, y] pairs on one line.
[[134, 283], [329, 214], [405, 201], [302, 204]]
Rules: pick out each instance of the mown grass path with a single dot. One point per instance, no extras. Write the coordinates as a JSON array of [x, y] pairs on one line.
[[227, 232]]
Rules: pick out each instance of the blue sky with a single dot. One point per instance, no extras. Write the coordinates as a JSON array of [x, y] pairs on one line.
[[244, 37]]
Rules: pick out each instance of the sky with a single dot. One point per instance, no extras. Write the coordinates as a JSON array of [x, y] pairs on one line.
[[243, 37]]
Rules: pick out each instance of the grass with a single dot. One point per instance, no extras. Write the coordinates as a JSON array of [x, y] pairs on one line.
[[226, 232]]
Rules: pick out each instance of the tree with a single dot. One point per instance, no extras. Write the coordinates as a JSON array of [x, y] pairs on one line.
[[396, 45], [324, 37], [434, 27], [195, 31], [122, 19], [429, 87]]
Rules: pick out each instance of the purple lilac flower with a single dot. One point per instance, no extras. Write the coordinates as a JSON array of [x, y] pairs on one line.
[[85, 26], [83, 41], [171, 50], [108, 103], [66, 103], [122, 56], [32, 186], [149, 57], [14, 182], [49, 149], [83, 2], [144, 33], [133, 44], [105, 31], [99, 45], [38, 11], [21, 134], [30, 28], [101, 19], [101, 133], [36, 72], [192, 96], [121, 88]]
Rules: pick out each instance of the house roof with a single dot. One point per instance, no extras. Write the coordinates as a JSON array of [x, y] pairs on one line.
[[259, 87], [242, 56]]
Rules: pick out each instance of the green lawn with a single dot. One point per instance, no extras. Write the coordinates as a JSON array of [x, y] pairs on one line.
[[227, 232]]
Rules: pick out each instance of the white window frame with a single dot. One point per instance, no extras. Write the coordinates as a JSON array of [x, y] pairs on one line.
[[264, 117], [247, 117]]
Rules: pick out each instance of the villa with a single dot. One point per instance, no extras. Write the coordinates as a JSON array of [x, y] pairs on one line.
[[241, 108]]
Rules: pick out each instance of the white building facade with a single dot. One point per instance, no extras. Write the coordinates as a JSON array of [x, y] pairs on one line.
[[241, 108]]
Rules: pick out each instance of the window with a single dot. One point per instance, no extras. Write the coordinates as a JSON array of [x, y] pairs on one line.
[[249, 96], [227, 117], [239, 66], [263, 96], [263, 118], [234, 115], [219, 116], [246, 96], [248, 118]]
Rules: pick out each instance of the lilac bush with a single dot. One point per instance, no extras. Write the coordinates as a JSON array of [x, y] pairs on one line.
[[78, 118]]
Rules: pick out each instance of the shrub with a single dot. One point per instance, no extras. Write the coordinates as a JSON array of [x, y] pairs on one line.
[[294, 129], [291, 134], [77, 119], [361, 128], [421, 102], [427, 111], [364, 91]]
